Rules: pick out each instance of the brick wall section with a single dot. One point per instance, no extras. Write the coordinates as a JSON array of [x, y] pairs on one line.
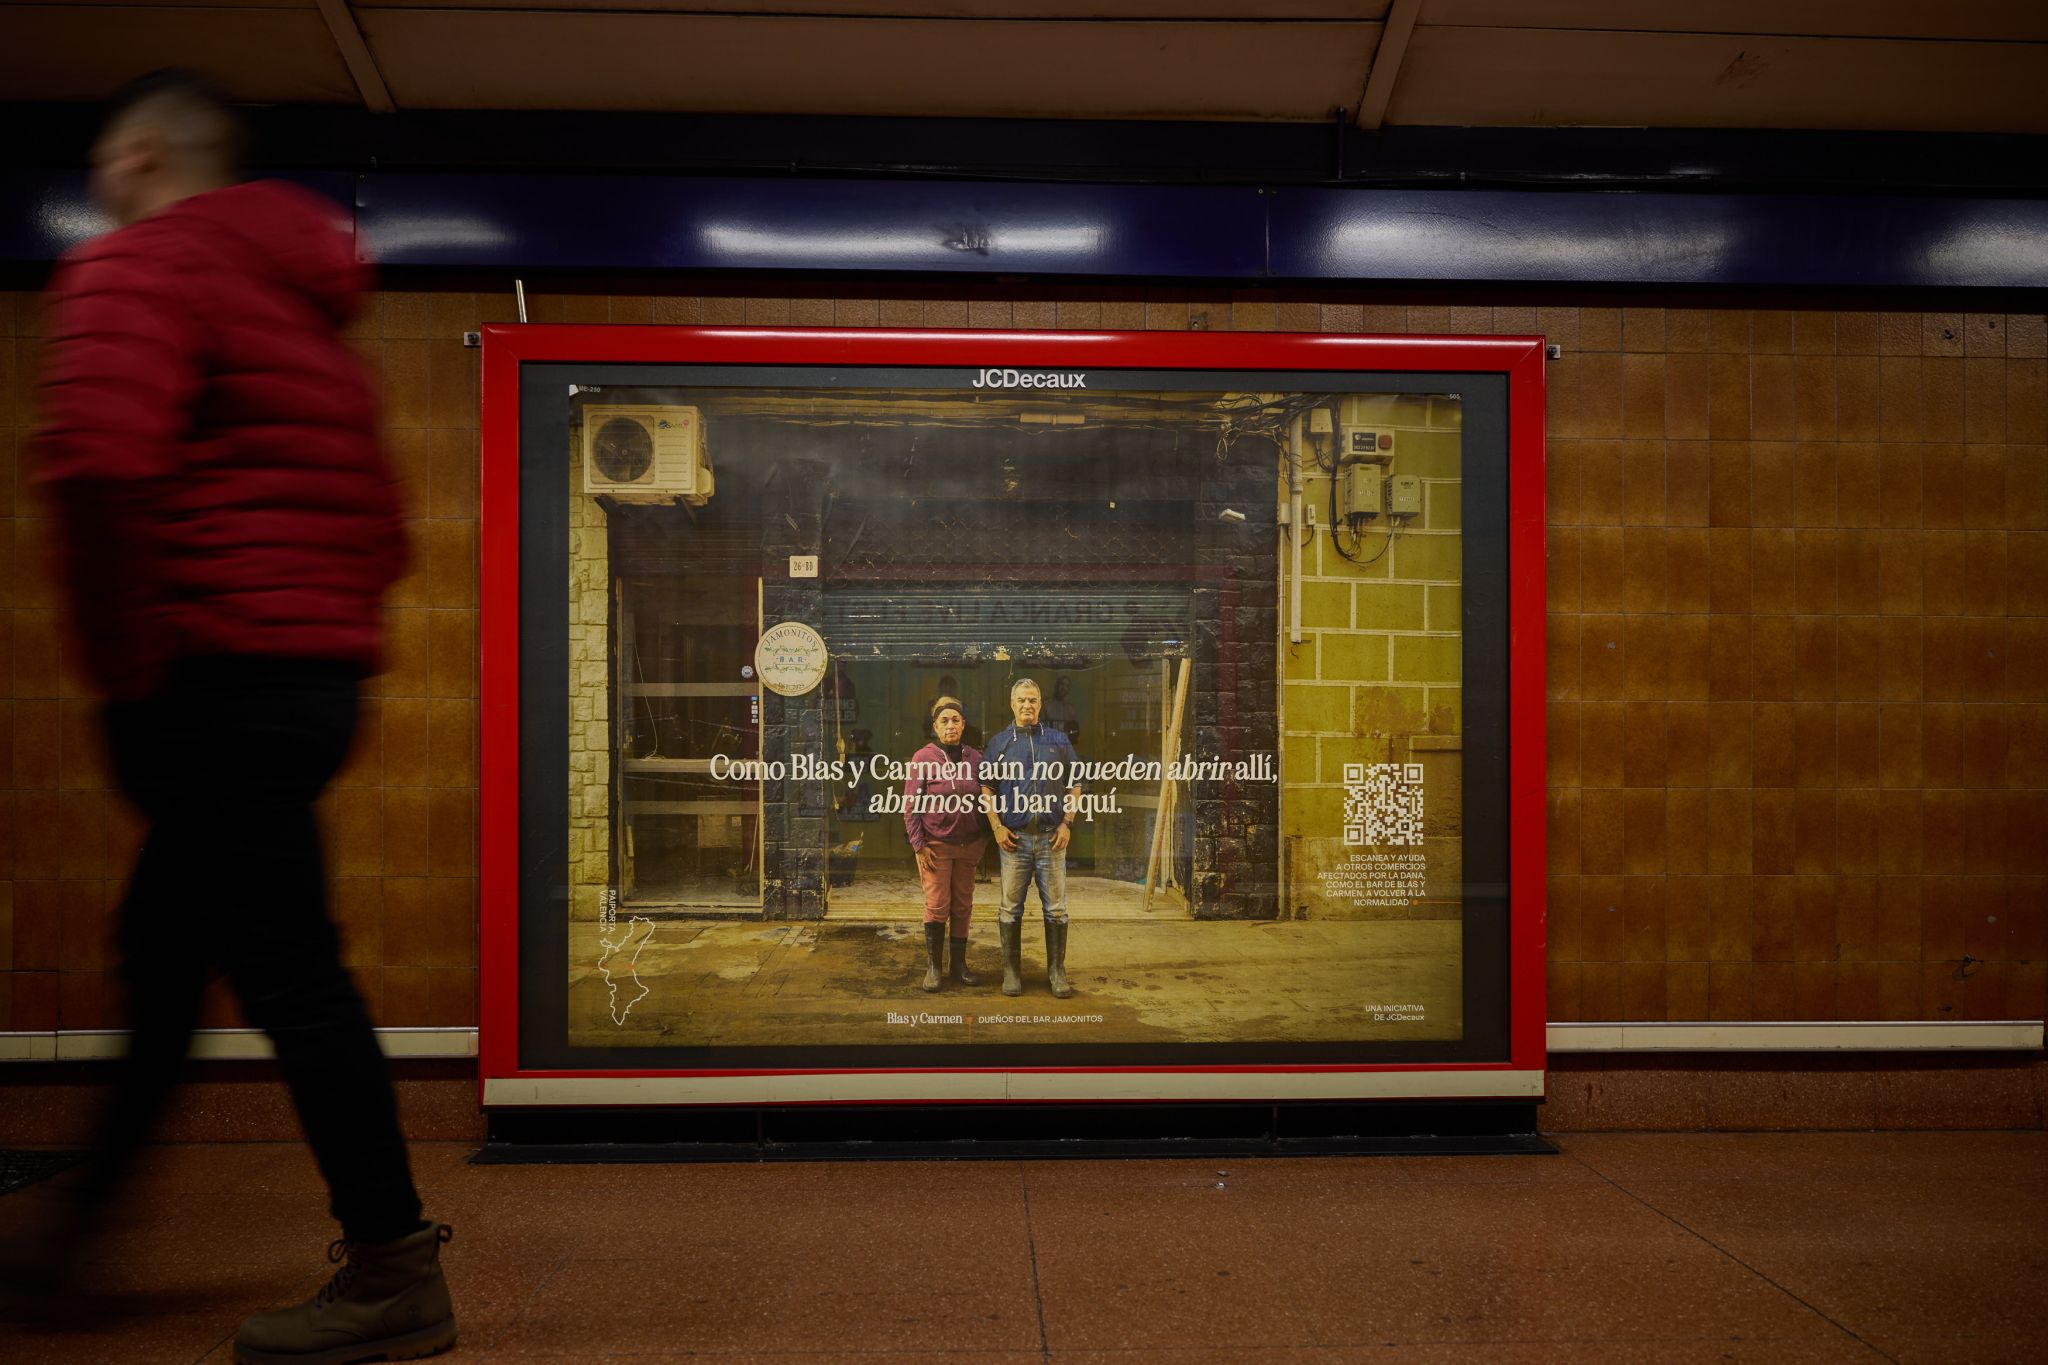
[[590, 700], [1808, 779], [1234, 690]]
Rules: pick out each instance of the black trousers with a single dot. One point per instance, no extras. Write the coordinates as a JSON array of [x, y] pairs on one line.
[[226, 762]]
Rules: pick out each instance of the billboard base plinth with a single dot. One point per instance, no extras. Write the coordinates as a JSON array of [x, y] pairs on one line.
[[1011, 1132]]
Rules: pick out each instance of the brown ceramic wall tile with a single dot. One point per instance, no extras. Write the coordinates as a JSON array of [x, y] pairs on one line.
[[1602, 846], [1774, 571], [451, 832], [405, 832], [1798, 654], [1563, 549], [1859, 745], [1814, 397], [1858, 381], [1942, 415], [1605, 743], [1728, 990], [1603, 482], [1772, 388], [1603, 585], [1730, 656], [1730, 831], [452, 741]]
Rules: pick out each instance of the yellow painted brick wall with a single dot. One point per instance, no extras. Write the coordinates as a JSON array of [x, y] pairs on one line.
[[1379, 663], [590, 745]]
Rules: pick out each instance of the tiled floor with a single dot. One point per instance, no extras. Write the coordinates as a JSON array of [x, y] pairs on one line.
[[1636, 1247]]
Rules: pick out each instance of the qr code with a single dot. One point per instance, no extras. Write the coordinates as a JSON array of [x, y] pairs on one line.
[[1383, 803]]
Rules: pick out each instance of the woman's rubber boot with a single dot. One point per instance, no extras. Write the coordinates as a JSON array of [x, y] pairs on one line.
[[934, 955], [1013, 949], [960, 972], [1056, 959], [387, 1302]]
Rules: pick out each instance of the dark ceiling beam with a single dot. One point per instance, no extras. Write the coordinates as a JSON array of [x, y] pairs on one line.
[[348, 36], [1386, 63]]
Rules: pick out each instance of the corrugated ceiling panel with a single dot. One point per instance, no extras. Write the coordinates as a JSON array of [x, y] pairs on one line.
[[68, 52], [497, 60], [1987, 19], [105, 6], [1536, 78]]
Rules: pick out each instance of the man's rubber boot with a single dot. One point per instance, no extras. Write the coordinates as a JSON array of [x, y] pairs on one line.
[[1056, 959], [934, 955], [1013, 949], [387, 1302], [960, 972]]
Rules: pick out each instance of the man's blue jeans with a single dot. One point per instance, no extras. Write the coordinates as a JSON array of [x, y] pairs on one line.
[[1034, 860]]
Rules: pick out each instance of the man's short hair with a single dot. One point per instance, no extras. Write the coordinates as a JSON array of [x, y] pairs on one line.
[[1023, 683], [189, 111]]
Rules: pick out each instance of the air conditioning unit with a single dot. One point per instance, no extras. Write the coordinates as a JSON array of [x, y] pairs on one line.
[[645, 453]]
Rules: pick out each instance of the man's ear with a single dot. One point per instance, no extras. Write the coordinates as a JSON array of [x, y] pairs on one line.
[[147, 151]]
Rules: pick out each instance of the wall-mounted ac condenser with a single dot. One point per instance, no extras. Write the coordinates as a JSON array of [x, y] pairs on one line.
[[645, 453]]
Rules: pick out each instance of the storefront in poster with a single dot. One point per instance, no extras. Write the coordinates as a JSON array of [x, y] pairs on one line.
[[915, 716]]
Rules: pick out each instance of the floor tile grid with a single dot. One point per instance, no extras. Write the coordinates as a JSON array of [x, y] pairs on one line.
[[1924, 1246], [1843, 1328], [559, 1254]]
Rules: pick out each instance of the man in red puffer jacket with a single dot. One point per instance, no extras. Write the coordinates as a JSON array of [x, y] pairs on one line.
[[228, 526]]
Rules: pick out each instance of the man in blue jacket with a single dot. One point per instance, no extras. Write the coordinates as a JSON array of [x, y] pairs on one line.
[[1028, 795]]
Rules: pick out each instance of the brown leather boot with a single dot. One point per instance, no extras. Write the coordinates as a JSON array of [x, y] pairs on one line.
[[387, 1302]]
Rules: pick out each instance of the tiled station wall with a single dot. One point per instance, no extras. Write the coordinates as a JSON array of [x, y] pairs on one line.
[[1798, 633]]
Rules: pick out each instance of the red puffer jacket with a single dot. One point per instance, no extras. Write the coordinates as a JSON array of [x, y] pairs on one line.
[[211, 443]]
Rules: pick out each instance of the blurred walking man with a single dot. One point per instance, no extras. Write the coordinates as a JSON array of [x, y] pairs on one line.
[[228, 527]]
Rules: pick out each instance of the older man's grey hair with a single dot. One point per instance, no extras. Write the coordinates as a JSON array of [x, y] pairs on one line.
[[1021, 684]]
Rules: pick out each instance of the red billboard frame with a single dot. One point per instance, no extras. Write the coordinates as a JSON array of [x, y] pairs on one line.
[[506, 347]]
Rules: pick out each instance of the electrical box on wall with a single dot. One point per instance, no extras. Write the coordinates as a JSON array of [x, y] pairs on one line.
[[1404, 495], [645, 453], [1358, 491], [1367, 443]]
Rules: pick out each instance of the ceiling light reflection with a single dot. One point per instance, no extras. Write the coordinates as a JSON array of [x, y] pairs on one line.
[[754, 242], [426, 232]]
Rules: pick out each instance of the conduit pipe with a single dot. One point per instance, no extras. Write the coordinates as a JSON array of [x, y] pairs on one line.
[[1294, 530]]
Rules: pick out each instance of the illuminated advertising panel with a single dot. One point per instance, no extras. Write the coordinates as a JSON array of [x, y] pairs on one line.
[[1010, 716]]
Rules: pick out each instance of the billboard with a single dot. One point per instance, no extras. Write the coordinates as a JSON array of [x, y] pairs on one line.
[[929, 716]]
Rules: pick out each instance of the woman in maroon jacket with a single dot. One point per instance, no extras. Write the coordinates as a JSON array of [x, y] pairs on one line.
[[942, 816]]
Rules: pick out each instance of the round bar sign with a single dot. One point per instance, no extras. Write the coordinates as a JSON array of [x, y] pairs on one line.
[[790, 658]]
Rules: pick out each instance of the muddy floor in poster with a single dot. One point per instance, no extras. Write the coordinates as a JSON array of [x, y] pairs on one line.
[[856, 981]]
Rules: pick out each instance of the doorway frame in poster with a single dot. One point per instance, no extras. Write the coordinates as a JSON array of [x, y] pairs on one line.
[[504, 1082]]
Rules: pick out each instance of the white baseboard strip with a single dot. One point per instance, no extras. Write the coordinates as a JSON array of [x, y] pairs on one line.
[[944, 1086], [1938, 1035], [220, 1044]]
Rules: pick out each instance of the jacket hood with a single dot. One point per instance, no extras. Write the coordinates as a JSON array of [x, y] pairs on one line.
[[287, 232]]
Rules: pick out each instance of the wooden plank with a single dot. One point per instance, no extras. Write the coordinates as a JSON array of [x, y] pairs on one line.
[[1169, 750]]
